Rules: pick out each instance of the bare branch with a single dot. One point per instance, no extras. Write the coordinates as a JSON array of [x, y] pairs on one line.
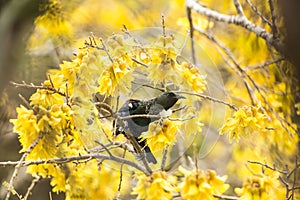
[[164, 158], [106, 50], [238, 20], [72, 159], [27, 104], [104, 106], [237, 68], [274, 26], [266, 64], [238, 8], [149, 86], [121, 177], [25, 85], [246, 77], [209, 98], [140, 45], [163, 29], [264, 19], [190, 19], [225, 197], [32, 185], [294, 178], [267, 166], [139, 62], [19, 164]]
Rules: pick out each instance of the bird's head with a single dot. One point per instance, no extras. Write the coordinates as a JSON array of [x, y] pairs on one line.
[[168, 99]]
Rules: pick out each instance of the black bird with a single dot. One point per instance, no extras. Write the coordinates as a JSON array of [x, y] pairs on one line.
[[138, 125]]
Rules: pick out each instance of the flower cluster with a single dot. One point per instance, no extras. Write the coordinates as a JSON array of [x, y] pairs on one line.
[[261, 187], [62, 119], [157, 186], [193, 77], [160, 134], [199, 184], [245, 121], [116, 76]]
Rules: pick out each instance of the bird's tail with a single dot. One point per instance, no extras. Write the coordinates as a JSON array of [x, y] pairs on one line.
[[149, 156]]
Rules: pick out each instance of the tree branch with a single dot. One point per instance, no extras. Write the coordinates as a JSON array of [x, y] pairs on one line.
[[238, 7], [42, 87], [274, 26], [18, 164], [238, 20], [210, 98], [225, 197], [256, 11], [74, 158], [190, 19]]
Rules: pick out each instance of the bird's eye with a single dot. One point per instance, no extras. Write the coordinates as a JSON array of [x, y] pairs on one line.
[[130, 105]]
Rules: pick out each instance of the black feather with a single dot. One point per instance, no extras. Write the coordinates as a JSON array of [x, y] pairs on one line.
[[138, 125]]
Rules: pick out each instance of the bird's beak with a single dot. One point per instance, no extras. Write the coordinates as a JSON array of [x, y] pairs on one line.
[[180, 96]]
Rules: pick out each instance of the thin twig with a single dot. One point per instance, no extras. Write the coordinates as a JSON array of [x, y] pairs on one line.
[[294, 178], [267, 166], [105, 106], [274, 26], [265, 64], [64, 160], [237, 68], [225, 197], [106, 50], [287, 190], [149, 86], [209, 98], [163, 29], [25, 102], [105, 148], [164, 158], [19, 163], [256, 11], [25, 85], [190, 19], [140, 45], [238, 8], [51, 82], [140, 115], [50, 196], [139, 62], [238, 20], [184, 42], [121, 176], [180, 119], [67, 95], [32, 185]]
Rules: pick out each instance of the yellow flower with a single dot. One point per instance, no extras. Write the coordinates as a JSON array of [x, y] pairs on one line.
[[159, 135], [116, 77], [88, 181], [193, 77], [194, 124], [261, 187], [53, 22], [26, 126], [163, 67], [245, 121], [198, 184], [157, 186], [46, 98]]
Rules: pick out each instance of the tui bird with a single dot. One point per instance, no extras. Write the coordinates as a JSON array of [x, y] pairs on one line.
[[138, 125]]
